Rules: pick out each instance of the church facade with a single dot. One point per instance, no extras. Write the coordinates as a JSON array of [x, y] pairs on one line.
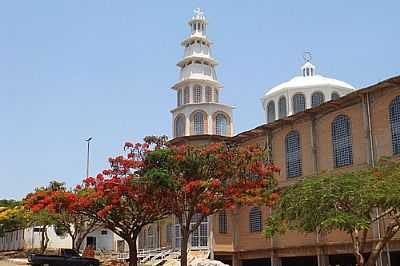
[[313, 124]]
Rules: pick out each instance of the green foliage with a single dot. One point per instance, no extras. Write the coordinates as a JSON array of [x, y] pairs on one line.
[[343, 201]]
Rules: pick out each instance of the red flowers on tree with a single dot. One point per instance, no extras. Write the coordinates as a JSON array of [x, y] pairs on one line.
[[60, 205], [203, 180], [122, 199]]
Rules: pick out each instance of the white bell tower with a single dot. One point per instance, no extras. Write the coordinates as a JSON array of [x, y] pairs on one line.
[[198, 110]]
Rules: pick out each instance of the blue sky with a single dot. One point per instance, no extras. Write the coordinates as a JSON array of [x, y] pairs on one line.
[[73, 69]]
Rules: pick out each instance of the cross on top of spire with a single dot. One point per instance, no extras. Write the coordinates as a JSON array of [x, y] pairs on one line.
[[199, 14]]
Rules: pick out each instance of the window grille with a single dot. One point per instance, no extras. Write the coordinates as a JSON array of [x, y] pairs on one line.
[[198, 123], [178, 236], [282, 112], [255, 220], [394, 115], [216, 95], [293, 158], [186, 95], [335, 95], [197, 95], [179, 97], [180, 125], [208, 94], [168, 230], [223, 223], [299, 103], [199, 237], [317, 98], [341, 141], [150, 237], [221, 125], [271, 112]]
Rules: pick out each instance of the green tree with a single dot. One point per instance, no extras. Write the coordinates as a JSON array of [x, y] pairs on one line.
[[201, 180], [348, 202], [12, 216]]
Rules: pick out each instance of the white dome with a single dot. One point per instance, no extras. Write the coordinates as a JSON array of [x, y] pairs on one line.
[[302, 92], [308, 82]]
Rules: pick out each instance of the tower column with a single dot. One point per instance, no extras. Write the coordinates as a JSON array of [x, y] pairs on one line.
[[198, 68]]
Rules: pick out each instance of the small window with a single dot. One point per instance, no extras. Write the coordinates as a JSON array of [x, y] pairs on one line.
[[335, 96], [394, 116], [317, 98], [222, 221], [104, 232], [197, 94], [221, 125], [255, 220], [299, 103], [293, 156], [208, 94], [341, 141], [186, 95], [282, 110], [271, 112]]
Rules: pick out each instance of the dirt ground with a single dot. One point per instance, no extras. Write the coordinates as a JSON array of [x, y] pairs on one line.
[[6, 263]]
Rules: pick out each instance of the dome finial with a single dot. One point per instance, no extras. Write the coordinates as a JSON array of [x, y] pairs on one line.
[[308, 69], [307, 56], [199, 14]]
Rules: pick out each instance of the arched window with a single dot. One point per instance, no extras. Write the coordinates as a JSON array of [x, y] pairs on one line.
[[197, 94], [335, 95], [208, 94], [282, 111], [299, 103], [293, 156], [180, 126], [222, 222], [341, 141], [271, 112], [317, 98], [216, 95], [198, 123], [255, 220], [179, 97], [221, 125], [186, 95], [394, 115]]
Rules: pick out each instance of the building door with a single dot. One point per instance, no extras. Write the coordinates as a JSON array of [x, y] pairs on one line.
[[91, 241]]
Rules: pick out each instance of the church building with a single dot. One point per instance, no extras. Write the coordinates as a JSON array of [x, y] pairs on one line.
[[313, 124]]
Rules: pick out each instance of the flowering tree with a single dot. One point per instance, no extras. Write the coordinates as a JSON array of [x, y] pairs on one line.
[[203, 180], [348, 202], [55, 205], [12, 216], [121, 199]]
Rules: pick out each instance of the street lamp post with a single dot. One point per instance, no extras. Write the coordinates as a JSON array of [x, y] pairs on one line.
[[87, 156]]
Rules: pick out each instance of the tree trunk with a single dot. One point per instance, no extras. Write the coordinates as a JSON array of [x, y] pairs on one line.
[[73, 239], [44, 241], [133, 260], [184, 248]]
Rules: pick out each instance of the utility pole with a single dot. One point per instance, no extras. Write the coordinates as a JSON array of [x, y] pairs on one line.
[[87, 156]]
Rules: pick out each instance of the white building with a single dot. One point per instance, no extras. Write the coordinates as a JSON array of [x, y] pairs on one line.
[[198, 110], [29, 238], [302, 92]]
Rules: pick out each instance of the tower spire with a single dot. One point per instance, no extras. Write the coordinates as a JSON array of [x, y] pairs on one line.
[[198, 110]]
